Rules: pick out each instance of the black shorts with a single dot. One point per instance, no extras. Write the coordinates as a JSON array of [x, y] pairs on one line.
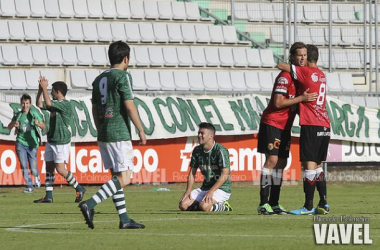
[[314, 143], [273, 141]]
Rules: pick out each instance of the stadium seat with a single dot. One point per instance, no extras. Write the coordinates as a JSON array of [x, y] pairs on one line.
[[192, 11], [359, 18], [151, 9], [84, 55], [238, 81], [5, 79], [174, 33], [75, 31], [279, 13], [346, 12], [318, 36], [132, 59], [188, 33], [165, 10], [69, 55], [352, 59], [50, 75], [37, 8], [229, 34], [196, 80], [109, 9], [240, 57], [216, 34], [267, 13], [181, 80], [340, 58], [346, 83], [4, 34], [60, 31], [22, 8], [39, 55], [253, 12], [16, 30], [226, 57], [46, 31], [152, 80], [304, 35], [52, 8], [9, 55], [252, 81], [266, 56], [156, 56], [132, 32], [18, 80], [160, 32], [91, 74], [241, 11], [184, 56], [141, 55], [350, 35], [202, 33], [31, 31], [198, 56], [312, 12], [265, 81], [224, 81], [333, 83], [78, 79], [137, 9], [99, 55], [24, 54], [146, 32], [179, 11], [80, 8], [253, 57], [118, 32], [372, 102], [123, 10], [90, 33], [94, 9], [31, 78], [66, 8], [104, 31], [167, 80], [8, 8], [170, 56], [210, 80], [325, 13], [138, 80], [212, 57], [54, 54]]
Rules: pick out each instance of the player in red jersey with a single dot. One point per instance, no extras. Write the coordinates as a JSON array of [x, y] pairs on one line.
[[315, 130], [274, 133]]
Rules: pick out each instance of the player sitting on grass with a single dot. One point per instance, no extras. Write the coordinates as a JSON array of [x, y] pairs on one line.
[[214, 162]]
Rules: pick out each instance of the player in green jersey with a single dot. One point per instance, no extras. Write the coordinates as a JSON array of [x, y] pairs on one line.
[[57, 149], [28, 123], [113, 108], [213, 160]]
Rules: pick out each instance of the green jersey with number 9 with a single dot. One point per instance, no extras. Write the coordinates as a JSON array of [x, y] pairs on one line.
[[110, 89]]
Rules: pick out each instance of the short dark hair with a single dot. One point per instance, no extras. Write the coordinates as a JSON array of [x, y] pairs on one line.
[[294, 48], [26, 97], [208, 126], [312, 53], [117, 51], [60, 86]]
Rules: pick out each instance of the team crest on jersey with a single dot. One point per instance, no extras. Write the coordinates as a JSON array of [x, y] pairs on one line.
[[314, 77], [270, 146], [282, 80]]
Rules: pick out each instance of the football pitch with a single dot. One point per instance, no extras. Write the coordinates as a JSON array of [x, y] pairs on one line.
[[60, 225]]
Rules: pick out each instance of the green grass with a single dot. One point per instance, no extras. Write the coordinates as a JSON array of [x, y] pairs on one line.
[[25, 225]]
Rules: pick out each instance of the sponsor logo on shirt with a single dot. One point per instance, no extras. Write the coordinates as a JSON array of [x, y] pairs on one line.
[[282, 80], [314, 77]]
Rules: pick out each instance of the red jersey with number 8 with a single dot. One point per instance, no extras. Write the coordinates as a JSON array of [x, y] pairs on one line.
[[312, 113]]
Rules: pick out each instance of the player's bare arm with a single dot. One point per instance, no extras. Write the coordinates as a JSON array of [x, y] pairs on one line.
[[134, 115], [44, 84], [223, 177], [283, 66], [189, 186], [281, 102]]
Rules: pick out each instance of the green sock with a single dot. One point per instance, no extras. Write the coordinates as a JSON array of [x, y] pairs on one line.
[[73, 182], [107, 190], [49, 182], [119, 201]]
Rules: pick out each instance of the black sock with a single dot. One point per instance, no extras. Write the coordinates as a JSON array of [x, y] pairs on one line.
[[276, 187], [321, 186], [265, 185], [309, 188]]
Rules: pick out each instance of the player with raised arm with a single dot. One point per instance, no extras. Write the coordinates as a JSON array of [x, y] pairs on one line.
[[213, 160], [315, 131], [275, 135], [113, 108]]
